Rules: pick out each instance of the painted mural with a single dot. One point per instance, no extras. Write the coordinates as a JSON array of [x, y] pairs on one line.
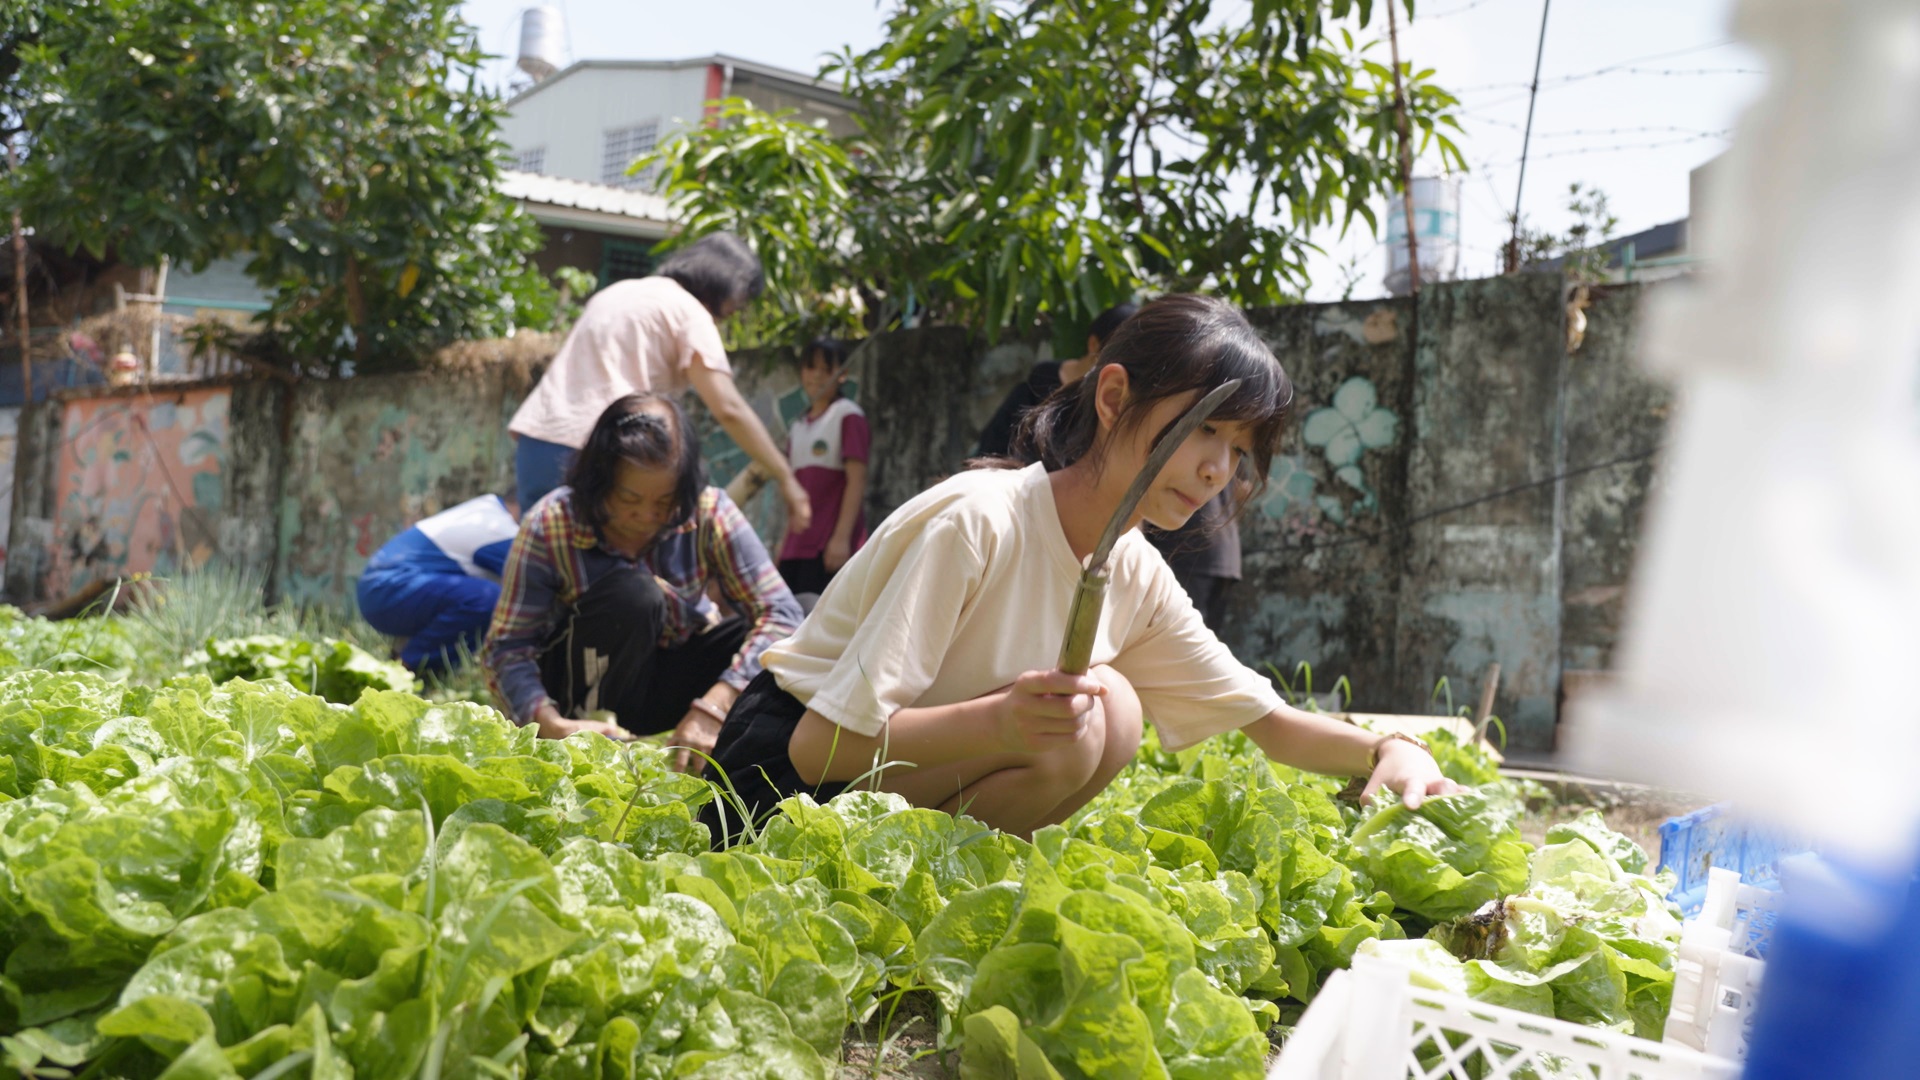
[[1311, 500], [139, 485], [364, 466]]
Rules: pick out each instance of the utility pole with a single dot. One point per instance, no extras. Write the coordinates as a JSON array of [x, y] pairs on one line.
[[1526, 140], [1406, 150], [20, 290]]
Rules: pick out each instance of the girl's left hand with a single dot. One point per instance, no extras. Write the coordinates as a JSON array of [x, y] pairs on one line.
[[1409, 770], [696, 731]]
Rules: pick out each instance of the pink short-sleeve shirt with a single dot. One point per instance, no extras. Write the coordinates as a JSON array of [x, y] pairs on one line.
[[634, 335]]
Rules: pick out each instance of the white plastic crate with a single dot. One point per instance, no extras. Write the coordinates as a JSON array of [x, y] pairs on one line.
[[1716, 974], [1373, 1023]]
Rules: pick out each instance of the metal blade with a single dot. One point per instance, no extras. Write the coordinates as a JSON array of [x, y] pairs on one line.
[[1157, 461]]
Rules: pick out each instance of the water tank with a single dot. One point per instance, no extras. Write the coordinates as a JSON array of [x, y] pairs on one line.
[[1436, 210], [542, 41]]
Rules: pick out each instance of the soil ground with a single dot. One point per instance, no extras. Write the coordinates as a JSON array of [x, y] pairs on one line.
[[900, 1047]]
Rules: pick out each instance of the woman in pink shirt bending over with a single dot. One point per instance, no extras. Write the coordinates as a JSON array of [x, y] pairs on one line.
[[658, 333]]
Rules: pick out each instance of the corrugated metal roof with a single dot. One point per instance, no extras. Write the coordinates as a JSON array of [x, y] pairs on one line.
[[580, 195]]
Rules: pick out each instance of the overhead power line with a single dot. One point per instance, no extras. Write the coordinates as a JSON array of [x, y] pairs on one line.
[[1656, 129], [1619, 147], [1452, 11], [1615, 66], [1572, 133], [1582, 76]]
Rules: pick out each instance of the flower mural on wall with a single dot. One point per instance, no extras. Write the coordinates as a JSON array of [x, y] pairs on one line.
[[1290, 501], [1290, 485], [1343, 432]]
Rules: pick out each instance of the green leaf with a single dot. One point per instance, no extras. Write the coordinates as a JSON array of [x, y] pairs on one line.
[[997, 1049], [164, 1022], [1446, 859], [1591, 829], [380, 841]]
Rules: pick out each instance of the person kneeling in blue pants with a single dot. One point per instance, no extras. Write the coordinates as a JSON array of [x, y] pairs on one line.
[[436, 584]]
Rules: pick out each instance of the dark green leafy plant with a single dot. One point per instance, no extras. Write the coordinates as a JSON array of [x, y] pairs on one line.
[[344, 148], [1444, 860], [245, 880], [1582, 249], [336, 670], [1050, 159], [1591, 939]]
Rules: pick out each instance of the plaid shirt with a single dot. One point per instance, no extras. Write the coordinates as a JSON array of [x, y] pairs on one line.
[[556, 557]]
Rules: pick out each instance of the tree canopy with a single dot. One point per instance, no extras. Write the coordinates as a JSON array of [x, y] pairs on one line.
[[344, 147], [1053, 157]]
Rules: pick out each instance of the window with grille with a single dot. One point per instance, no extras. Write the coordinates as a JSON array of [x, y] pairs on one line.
[[623, 259], [533, 161], [621, 147]]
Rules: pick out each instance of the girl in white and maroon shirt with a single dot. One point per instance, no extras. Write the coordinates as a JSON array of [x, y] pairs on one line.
[[828, 446], [930, 652]]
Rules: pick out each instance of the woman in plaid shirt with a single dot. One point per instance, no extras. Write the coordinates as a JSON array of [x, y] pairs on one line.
[[603, 599]]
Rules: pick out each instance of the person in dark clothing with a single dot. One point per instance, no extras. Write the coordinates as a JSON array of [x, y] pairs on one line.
[[996, 439], [1205, 557]]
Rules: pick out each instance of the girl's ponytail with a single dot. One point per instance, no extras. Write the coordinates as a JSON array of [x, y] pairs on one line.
[[1061, 429]]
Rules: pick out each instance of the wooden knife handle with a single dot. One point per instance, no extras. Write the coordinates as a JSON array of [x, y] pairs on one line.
[[1083, 622]]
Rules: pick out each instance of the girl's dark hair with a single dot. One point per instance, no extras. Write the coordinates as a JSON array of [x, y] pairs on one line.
[[835, 350], [1105, 323], [648, 430], [716, 268], [1180, 344]]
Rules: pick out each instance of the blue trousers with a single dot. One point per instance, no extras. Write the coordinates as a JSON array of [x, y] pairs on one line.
[[434, 612], [539, 466]]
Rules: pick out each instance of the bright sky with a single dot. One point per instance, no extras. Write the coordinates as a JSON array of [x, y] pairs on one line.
[[1634, 132]]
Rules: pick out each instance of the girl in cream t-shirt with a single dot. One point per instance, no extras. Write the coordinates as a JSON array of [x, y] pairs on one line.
[[931, 652]]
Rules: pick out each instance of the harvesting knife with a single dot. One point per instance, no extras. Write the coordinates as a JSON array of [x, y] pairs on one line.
[[1090, 596]]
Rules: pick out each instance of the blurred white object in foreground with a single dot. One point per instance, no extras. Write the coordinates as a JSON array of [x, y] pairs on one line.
[[1774, 625], [1384, 1021]]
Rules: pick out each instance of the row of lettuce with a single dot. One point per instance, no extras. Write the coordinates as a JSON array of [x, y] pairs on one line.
[[239, 879]]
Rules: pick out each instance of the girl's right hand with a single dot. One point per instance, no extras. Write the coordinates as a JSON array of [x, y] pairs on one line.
[[1044, 710], [551, 725]]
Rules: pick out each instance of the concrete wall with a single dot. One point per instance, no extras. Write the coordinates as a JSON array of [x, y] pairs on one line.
[[1481, 578], [9, 440], [1442, 504], [1616, 418], [1323, 546], [1455, 488], [369, 457]]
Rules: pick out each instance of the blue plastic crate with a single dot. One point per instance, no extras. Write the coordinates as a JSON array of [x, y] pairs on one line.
[[1692, 844]]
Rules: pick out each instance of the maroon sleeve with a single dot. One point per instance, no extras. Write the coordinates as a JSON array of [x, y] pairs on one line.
[[855, 440]]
